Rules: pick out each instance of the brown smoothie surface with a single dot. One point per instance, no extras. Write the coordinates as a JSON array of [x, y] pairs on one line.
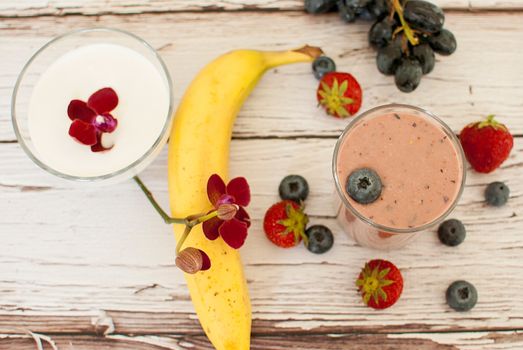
[[417, 162]]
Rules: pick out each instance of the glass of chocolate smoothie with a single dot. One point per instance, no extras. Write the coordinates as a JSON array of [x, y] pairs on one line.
[[420, 165]]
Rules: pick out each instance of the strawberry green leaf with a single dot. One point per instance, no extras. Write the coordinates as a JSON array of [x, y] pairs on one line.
[[326, 87], [295, 222], [366, 270], [386, 283], [375, 272], [342, 111], [366, 298], [375, 296], [382, 294], [346, 100], [383, 273], [335, 87], [343, 88]]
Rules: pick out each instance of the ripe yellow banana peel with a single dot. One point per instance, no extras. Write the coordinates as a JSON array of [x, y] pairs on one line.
[[198, 148]]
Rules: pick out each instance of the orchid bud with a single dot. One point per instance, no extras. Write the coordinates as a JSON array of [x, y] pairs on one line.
[[227, 211], [191, 260]]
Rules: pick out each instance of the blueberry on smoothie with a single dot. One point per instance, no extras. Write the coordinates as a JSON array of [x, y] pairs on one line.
[[364, 185]]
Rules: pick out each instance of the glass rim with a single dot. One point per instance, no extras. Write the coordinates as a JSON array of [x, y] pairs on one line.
[[113, 174], [339, 187]]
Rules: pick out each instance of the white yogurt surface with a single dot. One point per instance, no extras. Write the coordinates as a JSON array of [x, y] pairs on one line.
[[141, 112]]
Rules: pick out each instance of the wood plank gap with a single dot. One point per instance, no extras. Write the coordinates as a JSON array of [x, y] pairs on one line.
[[284, 137], [292, 333], [208, 9], [341, 333], [252, 8], [271, 137]]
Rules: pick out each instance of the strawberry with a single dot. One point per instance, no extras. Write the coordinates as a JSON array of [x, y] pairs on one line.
[[380, 284], [340, 94], [487, 144], [284, 224]]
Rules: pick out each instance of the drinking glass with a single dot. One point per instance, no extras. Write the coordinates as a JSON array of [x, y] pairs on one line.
[[363, 229]]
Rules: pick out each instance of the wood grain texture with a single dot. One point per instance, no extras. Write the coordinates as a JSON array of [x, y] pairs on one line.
[[71, 253], [413, 341], [74, 251], [27, 8], [484, 76]]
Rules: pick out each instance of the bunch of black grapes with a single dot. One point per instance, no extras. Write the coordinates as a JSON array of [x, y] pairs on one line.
[[406, 34]]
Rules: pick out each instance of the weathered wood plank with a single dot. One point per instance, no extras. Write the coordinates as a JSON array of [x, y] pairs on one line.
[[73, 251], [68, 252], [26, 8], [484, 76], [413, 341]]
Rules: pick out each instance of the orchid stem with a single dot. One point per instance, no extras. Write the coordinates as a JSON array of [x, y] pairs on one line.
[[205, 217], [186, 232], [163, 214], [190, 222]]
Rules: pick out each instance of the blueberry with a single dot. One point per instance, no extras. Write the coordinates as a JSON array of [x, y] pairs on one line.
[[319, 6], [364, 185], [380, 34], [322, 65], [443, 42], [388, 59], [496, 194], [294, 188], [425, 56], [462, 296], [408, 74], [320, 239], [452, 232]]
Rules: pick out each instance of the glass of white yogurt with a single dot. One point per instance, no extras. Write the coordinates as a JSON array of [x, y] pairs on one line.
[[67, 82]]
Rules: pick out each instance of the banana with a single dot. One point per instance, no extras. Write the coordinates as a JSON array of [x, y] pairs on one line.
[[198, 148]]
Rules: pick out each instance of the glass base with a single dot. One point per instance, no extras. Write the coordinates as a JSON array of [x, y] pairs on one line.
[[347, 157], [367, 236]]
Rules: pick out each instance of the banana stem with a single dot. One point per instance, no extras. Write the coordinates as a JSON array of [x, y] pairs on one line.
[[156, 206], [304, 54]]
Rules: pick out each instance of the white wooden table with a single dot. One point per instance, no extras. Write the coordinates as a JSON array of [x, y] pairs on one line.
[[69, 255]]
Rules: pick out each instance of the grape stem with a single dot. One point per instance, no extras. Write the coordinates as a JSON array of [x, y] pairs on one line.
[[409, 33]]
